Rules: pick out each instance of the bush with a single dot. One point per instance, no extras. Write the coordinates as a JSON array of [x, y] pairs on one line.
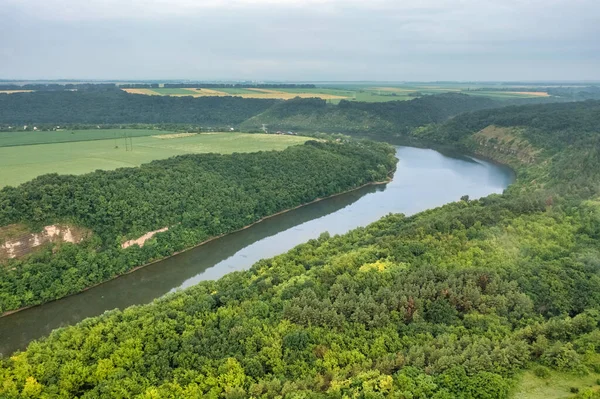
[[541, 372]]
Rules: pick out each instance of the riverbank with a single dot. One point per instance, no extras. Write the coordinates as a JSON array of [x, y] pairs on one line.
[[388, 180]]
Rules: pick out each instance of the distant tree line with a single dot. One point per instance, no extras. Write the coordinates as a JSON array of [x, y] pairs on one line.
[[60, 87], [108, 86], [139, 86], [110, 107]]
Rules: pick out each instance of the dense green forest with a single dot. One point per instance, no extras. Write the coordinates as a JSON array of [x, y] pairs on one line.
[[386, 120], [195, 196], [453, 302], [116, 106], [313, 114], [382, 119]]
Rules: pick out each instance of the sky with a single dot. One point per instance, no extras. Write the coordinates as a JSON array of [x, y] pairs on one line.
[[301, 40]]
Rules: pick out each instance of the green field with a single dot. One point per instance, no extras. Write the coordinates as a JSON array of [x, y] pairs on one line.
[[556, 386], [19, 164], [402, 92], [8, 139]]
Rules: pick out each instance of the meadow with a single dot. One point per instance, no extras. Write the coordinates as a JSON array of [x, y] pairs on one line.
[[16, 138], [554, 385], [19, 164]]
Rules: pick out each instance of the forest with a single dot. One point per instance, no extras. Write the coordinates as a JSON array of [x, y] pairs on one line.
[[386, 119], [116, 106], [59, 86], [454, 302], [383, 121], [196, 196]]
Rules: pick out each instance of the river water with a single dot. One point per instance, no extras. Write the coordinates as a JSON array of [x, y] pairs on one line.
[[424, 179]]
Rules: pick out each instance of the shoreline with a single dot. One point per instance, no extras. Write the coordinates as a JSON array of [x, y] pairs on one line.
[[389, 179]]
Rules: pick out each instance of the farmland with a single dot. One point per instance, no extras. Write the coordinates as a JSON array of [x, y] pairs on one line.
[[9, 139], [19, 164], [283, 94], [334, 92], [14, 91]]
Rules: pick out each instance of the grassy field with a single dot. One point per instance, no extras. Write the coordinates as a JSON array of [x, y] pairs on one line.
[[556, 386], [8, 139], [22, 163]]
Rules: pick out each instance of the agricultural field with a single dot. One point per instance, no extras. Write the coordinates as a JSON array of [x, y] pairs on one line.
[[19, 164], [507, 94], [9, 139], [283, 94], [334, 93], [14, 91], [410, 91]]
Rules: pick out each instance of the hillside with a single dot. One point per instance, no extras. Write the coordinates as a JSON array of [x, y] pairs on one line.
[[453, 302], [562, 140], [385, 120], [165, 206], [46, 109]]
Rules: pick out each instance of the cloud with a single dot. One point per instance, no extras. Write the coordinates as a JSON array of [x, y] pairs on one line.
[[302, 39]]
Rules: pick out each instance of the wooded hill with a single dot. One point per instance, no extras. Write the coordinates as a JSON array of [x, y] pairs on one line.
[[450, 303], [385, 119], [313, 114], [195, 196]]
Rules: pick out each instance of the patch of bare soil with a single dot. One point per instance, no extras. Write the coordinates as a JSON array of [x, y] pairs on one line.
[[141, 240], [16, 240]]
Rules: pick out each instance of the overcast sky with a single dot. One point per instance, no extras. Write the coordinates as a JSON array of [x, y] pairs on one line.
[[393, 40]]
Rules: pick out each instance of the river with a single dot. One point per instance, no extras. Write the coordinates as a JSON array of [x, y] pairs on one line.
[[424, 179]]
